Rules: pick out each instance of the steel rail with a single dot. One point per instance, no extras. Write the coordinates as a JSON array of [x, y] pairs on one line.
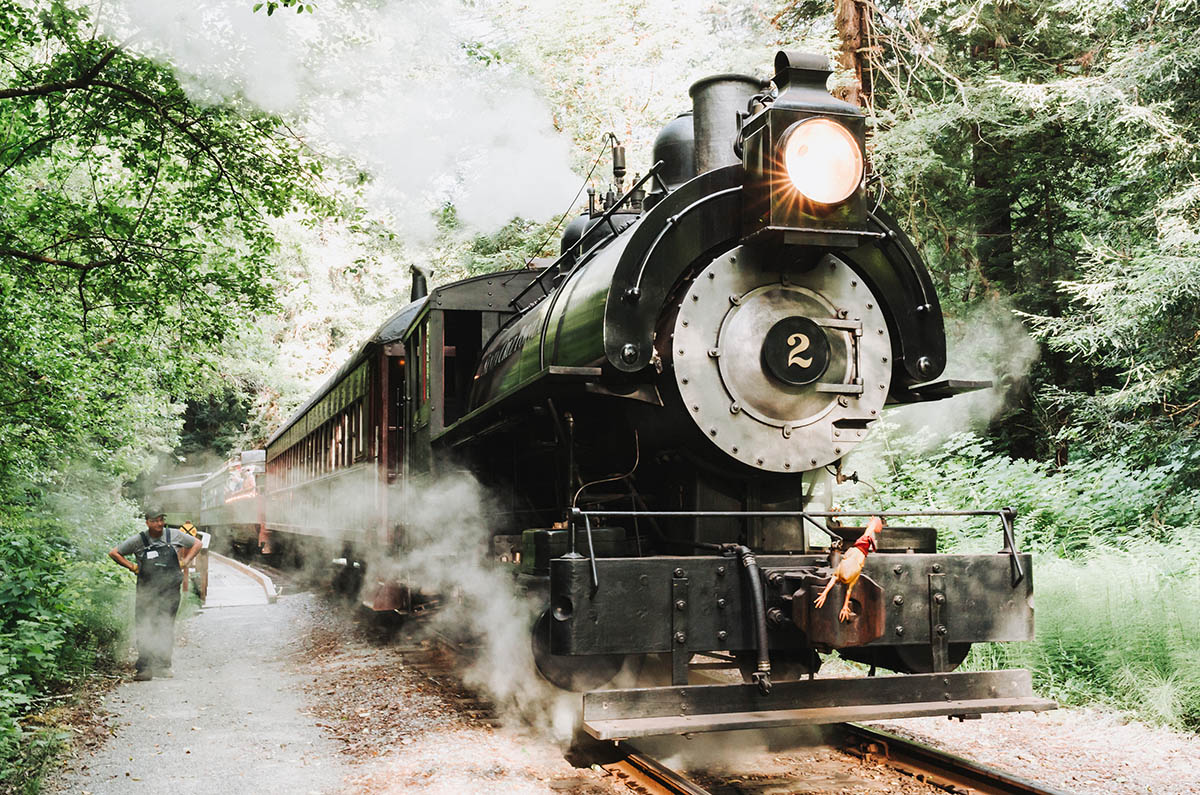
[[935, 766], [645, 770]]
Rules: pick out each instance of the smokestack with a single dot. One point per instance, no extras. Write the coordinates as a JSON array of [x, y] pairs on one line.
[[420, 288], [716, 102]]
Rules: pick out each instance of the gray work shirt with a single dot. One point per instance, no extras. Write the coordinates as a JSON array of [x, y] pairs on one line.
[[134, 545]]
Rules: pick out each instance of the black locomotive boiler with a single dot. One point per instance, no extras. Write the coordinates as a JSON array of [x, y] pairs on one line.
[[658, 411]]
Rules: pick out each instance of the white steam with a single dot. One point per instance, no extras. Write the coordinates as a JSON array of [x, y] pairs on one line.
[[394, 87], [447, 543], [988, 344]]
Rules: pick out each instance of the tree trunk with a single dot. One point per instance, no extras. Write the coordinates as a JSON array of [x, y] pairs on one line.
[[850, 19]]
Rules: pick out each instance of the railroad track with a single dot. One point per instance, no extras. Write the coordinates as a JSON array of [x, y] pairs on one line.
[[934, 766], [438, 656]]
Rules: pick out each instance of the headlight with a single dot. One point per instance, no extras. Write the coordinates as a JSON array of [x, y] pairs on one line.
[[822, 160]]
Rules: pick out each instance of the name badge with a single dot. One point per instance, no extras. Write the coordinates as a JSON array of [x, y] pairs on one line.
[[152, 554]]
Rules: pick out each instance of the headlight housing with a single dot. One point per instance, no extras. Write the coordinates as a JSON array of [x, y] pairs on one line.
[[823, 160]]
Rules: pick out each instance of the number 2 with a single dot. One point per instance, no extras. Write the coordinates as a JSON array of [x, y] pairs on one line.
[[799, 343]]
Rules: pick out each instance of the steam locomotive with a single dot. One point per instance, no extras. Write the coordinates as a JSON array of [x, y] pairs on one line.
[[658, 411]]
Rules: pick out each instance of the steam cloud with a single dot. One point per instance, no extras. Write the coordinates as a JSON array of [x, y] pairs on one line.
[[392, 87], [988, 344], [447, 537]]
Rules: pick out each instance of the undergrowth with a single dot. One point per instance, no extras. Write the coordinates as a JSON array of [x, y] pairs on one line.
[[1116, 570], [62, 617]]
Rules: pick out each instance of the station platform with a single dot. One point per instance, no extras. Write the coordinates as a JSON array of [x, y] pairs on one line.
[[234, 584]]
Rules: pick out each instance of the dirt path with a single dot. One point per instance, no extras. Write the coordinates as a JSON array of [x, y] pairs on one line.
[[231, 721]]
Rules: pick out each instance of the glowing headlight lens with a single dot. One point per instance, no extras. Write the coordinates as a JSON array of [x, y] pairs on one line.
[[823, 160]]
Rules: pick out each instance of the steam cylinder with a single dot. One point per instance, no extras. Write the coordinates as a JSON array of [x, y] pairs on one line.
[[716, 102]]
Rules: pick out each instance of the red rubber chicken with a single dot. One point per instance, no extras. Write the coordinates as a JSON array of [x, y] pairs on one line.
[[851, 566]]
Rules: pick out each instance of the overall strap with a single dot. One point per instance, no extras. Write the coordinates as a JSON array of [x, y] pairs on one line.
[[145, 540]]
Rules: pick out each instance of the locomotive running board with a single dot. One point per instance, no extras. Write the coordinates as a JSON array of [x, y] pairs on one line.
[[644, 712]]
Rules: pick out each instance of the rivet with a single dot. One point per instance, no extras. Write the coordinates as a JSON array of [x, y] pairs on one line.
[[680, 637], [714, 352], [712, 275], [937, 567], [898, 570], [885, 360], [695, 408], [759, 461], [678, 572], [685, 326], [898, 600], [722, 635], [837, 433], [787, 464], [681, 351], [680, 604], [870, 306], [683, 380], [721, 603], [899, 630], [880, 331], [812, 461], [940, 598], [695, 298], [734, 407], [712, 431], [837, 450], [941, 629], [735, 449], [720, 573], [853, 283]]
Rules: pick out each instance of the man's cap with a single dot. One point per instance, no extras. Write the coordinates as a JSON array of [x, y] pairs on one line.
[[152, 510]]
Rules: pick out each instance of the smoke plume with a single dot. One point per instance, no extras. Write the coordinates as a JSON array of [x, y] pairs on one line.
[[403, 91]]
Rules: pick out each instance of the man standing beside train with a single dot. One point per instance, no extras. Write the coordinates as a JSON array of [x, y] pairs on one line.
[[159, 570]]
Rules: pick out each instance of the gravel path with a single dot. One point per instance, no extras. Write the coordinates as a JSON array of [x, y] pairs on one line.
[[231, 721]]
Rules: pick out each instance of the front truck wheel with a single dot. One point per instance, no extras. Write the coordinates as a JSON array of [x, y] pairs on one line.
[[570, 672]]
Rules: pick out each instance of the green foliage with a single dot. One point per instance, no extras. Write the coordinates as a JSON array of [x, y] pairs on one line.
[[274, 5], [59, 622], [1117, 626], [1062, 510], [133, 236], [135, 241]]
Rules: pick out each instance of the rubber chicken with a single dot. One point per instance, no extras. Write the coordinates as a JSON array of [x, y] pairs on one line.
[[851, 566]]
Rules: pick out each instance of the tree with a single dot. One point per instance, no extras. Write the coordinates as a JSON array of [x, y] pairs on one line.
[[133, 235]]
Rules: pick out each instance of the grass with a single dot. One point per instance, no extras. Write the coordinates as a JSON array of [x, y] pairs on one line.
[[1119, 627]]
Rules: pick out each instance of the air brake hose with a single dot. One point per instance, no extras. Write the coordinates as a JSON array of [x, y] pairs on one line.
[[762, 676]]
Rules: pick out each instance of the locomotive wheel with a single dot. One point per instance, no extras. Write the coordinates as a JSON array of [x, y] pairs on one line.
[[907, 659], [575, 673], [919, 659]]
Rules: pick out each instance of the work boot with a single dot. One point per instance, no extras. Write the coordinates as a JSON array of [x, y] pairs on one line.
[[144, 675]]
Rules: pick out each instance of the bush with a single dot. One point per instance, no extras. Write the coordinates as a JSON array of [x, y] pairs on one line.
[[58, 622]]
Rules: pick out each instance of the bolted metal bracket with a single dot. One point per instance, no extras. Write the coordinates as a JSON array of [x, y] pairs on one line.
[[680, 656], [938, 633]]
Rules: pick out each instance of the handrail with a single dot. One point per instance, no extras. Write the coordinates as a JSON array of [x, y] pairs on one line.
[[1007, 517], [554, 268]]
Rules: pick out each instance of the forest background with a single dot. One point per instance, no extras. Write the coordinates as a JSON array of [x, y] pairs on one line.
[[192, 237]]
